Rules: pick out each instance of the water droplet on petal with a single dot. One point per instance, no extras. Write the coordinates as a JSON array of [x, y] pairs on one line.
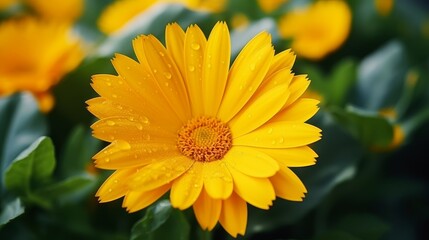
[[114, 96], [110, 123], [196, 185], [123, 145], [145, 120], [110, 190], [109, 84], [195, 46], [162, 54], [270, 130], [167, 75], [115, 181], [281, 140], [107, 160], [166, 84], [252, 66], [191, 68]]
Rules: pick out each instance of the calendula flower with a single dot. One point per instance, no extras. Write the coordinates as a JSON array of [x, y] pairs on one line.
[[35, 55], [270, 5], [120, 12], [181, 119], [64, 10], [383, 7], [318, 29]]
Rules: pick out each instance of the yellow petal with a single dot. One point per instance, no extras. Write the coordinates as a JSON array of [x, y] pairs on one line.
[[137, 200], [284, 59], [121, 154], [152, 55], [251, 162], [259, 110], [287, 185], [195, 45], [102, 108], [292, 157], [142, 82], [215, 68], [207, 210], [115, 186], [257, 191], [132, 129], [217, 180], [186, 188], [247, 73], [174, 41], [160, 173], [300, 111], [233, 217], [280, 135], [297, 87]]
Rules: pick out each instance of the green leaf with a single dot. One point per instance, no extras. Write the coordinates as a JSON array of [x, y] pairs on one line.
[[33, 166], [66, 188], [368, 127], [341, 81], [363, 226], [161, 221], [381, 77], [21, 124], [338, 153], [11, 210], [78, 151]]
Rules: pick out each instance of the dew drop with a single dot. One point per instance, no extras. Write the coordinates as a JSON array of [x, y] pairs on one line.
[[273, 142], [109, 84], [115, 181], [114, 96], [163, 168], [196, 185], [281, 140], [162, 54], [145, 120], [191, 68], [110, 190], [121, 82], [107, 160], [110, 123], [155, 71], [139, 126], [123, 145], [270, 130], [195, 46], [167, 75], [147, 137], [166, 84], [240, 87], [169, 65]]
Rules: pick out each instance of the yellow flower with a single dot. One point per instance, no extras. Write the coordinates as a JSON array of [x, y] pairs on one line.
[[35, 55], [180, 119], [64, 10], [119, 13], [270, 5], [383, 7], [7, 3], [317, 30]]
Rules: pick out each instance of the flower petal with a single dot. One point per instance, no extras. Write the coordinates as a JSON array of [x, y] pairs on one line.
[[287, 185], [217, 180], [280, 135], [251, 162], [137, 200], [152, 55], [247, 73], [133, 129], [233, 217], [186, 188], [292, 157], [297, 87], [259, 110], [257, 191], [300, 111], [207, 210], [115, 186], [102, 108], [174, 41], [195, 45], [160, 173], [120, 154], [282, 60], [215, 68]]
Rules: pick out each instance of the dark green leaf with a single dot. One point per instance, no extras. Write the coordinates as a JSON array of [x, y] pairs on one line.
[[33, 166], [66, 188], [11, 210], [363, 226], [341, 80], [79, 149], [161, 222], [369, 127], [381, 77], [21, 124]]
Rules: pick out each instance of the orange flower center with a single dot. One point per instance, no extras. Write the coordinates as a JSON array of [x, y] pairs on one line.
[[204, 139]]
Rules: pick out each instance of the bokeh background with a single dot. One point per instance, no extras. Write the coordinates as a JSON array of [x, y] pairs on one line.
[[368, 61]]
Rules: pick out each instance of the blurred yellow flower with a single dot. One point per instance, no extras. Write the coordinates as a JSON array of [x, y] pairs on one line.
[[383, 7], [181, 119], [64, 10], [270, 5], [317, 30], [35, 55], [6, 3], [120, 12]]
